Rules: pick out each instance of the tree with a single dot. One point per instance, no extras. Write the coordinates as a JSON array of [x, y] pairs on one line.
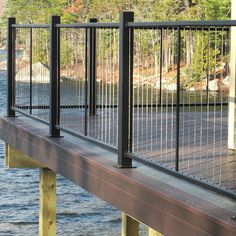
[[31, 11], [39, 11]]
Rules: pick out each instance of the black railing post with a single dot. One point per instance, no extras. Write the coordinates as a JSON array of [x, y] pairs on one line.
[[178, 99], [11, 66], [54, 77], [124, 73], [92, 68]]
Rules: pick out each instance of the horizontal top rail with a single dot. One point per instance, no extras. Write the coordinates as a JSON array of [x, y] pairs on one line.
[[30, 26], [89, 25], [163, 24], [137, 25], [74, 25]]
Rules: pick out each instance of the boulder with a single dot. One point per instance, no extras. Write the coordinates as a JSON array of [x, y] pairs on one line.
[[226, 81], [223, 87], [40, 73], [170, 87], [201, 86], [213, 85], [191, 89], [156, 84]]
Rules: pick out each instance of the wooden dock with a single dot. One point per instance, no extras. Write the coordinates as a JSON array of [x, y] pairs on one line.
[[163, 202], [203, 149], [170, 167]]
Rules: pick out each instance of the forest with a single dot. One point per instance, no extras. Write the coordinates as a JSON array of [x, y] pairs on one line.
[[203, 52], [31, 11]]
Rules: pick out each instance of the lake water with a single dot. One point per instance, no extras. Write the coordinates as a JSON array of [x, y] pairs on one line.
[[78, 212], [3, 54]]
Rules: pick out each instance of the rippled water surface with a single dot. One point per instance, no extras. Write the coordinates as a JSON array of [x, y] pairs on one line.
[[78, 212]]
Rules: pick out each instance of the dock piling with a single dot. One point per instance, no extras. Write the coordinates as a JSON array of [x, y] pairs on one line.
[[152, 232], [17, 159], [47, 202], [130, 226]]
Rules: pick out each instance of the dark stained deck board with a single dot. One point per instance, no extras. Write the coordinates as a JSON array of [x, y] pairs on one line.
[[201, 154], [165, 203]]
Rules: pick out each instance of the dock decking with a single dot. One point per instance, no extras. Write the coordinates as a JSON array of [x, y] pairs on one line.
[[203, 136], [167, 204]]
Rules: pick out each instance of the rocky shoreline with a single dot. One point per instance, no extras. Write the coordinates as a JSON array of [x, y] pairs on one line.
[[76, 72]]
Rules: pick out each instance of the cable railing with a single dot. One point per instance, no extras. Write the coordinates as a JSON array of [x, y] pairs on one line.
[[32, 72], [180, 86], [154, 92]]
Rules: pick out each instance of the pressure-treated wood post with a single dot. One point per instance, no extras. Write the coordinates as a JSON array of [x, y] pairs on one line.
[[17, 159], [47, 202], [152, 232], [130, 226], [232, 91]]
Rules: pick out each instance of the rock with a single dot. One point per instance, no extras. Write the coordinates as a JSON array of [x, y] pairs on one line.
[[192, 89], [156, 84], [164, 80], [76, 72], [213, 85], [171, 87], [226, 81], [201, 86], [223, 87], [40, 73]]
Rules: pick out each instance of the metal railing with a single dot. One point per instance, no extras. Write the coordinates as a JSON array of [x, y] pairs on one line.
[[155, 92]]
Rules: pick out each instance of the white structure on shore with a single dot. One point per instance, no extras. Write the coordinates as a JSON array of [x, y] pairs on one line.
[[40, 73]]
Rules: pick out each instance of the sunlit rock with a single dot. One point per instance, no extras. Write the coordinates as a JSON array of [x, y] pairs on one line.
[[213, 85], [40, 73]]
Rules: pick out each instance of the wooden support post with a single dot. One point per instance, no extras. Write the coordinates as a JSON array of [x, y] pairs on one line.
[[47, 202], [130, 226], [17, 159], [152, 232], [232, 90]]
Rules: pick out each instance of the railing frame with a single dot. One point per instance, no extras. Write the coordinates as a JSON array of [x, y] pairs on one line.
[[92, 68], [11, 66], [54, 117], [126, 27], [124, 84]]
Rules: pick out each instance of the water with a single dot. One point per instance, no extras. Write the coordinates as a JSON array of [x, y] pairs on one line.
[[3, 54], [78, 212]]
